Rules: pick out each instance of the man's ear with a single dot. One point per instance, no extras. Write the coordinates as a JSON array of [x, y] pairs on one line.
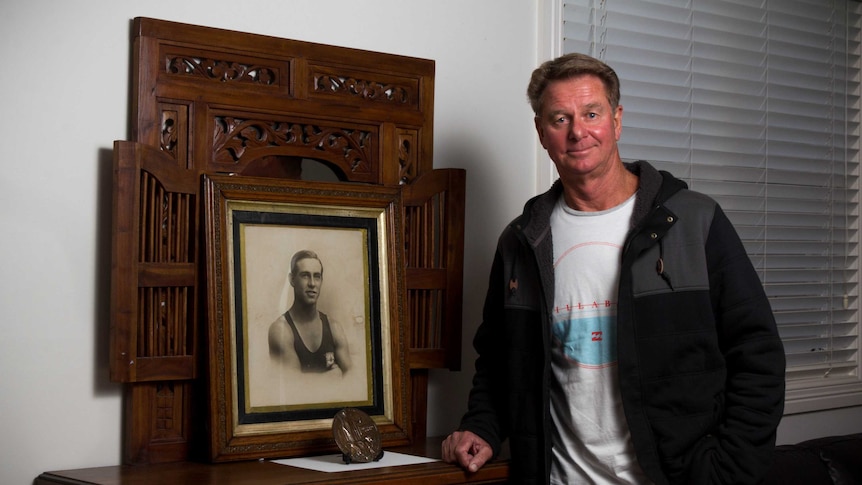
[[618, 120]]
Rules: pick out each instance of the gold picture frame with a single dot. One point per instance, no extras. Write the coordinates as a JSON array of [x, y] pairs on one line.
[[262, 404]]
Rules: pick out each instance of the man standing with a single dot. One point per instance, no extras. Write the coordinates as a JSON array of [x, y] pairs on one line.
[[626, 337], [304, 338]]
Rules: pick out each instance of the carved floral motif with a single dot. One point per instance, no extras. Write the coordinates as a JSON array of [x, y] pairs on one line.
[[407, 166], [221, 70], [233, 136], [370, 90], [168, 139]]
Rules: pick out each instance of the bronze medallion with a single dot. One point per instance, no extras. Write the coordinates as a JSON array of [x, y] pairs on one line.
[[357, 436]]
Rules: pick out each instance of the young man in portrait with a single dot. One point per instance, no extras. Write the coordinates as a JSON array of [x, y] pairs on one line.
[[304, 338]]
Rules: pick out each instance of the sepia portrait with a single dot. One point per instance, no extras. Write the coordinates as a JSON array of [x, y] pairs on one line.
[[304, 301]]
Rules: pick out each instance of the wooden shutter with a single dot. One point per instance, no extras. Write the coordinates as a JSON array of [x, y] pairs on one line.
[[153, 270], [434, 256]]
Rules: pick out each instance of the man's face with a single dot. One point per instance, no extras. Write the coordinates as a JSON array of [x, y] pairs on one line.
[[578, 127], [306, 280]]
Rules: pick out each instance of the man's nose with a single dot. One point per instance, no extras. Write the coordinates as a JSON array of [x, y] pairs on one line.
[[577, 130]]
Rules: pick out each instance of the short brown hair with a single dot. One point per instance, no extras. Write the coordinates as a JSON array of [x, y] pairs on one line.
[[566, 67], [304, 254]]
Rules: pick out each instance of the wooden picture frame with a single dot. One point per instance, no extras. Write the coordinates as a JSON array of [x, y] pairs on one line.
[[262, 405]]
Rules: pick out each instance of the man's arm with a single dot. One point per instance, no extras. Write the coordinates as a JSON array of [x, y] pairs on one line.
[[281, 349], [740, 450], [480, 433], [342, 348]]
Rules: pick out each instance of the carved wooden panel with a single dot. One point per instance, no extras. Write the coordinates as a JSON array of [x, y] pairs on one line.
[[175, 131], [158, 422], [408, 158], [399, 92], [287, 94], [241, 138], [221, 67]]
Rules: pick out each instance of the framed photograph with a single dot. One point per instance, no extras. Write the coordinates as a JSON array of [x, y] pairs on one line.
[[305, 304]]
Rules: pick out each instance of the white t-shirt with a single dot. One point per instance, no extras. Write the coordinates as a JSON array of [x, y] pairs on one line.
[[590, 437]]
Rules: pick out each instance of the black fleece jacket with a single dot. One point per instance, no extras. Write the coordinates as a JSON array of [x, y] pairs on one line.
[[701, 365]]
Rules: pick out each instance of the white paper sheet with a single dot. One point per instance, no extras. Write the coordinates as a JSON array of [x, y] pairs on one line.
[[335, 463]]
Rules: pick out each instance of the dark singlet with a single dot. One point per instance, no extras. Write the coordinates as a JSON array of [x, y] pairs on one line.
[[324, 358]]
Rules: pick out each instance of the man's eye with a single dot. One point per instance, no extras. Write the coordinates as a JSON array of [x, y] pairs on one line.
[[592, 115]]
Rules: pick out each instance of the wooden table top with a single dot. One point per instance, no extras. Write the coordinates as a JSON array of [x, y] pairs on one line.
[[265, 472]]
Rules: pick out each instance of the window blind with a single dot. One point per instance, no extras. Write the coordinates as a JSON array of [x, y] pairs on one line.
[[756, 104]]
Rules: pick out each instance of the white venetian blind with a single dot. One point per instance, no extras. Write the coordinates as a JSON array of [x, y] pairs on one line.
[[755, 103]]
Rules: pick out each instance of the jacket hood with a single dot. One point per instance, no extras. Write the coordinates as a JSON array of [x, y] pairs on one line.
[[654, 188]]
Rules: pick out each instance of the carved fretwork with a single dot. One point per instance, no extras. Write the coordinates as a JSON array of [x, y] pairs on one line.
[[365, 89], [174, 131], [164, 422], [220, 70], [426, 309], [351, 148], [165, 220], [168, 141], [407, 155], [162, 317], [424, 225], [162, 427]]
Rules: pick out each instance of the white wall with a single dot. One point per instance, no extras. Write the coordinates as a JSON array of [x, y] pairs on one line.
[[64, 100]]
